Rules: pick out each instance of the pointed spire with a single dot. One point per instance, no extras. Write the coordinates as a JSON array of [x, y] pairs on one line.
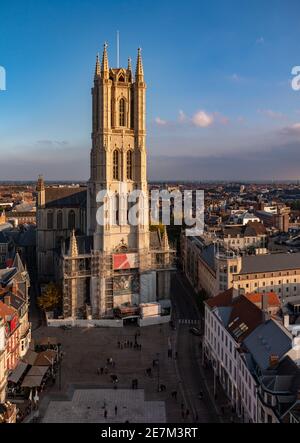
[[97, 68], [73, 250], [104, 66], [129, 64], [139, 73], [40, 183], [165, 240], [17, 263]]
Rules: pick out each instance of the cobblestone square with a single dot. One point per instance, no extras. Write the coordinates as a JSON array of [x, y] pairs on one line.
[[87, 350]]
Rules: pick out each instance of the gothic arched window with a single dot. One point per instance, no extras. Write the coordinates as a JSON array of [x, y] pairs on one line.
[[129, 165], [71, 219], [49, 220], [122, 108], [59, 220], [116, 164]]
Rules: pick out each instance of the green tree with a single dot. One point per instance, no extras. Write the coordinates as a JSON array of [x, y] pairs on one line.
[[51, 297]]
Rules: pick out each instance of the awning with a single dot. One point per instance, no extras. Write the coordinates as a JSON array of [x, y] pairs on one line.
[[30, 357], [32, 381], [45, 358], [18, 372], [37, 370]]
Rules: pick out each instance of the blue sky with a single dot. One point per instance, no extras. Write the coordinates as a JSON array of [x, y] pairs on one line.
[[219, 98]]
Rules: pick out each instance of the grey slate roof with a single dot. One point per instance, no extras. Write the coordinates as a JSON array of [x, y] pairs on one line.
[[65, 197], [208, 255], [268, 339], [270, 263], [224, 313]]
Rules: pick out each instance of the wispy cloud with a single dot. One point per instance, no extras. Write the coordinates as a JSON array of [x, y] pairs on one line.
[[274, 115], [160, 122], [53, 143], [260, 40], [293, 130], [236, 78], [202, 119], [182, 117]]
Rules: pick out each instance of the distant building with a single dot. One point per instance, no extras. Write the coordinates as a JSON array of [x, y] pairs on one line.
[[214, 269], [251, 235], [275, 216]]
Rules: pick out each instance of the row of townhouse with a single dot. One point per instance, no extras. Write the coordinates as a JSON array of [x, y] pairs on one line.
[[15, 328], [253, 356]]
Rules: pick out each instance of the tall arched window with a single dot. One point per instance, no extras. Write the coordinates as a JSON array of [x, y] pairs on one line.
[[116, 164], [49, 220], [129, 165], [71, 219], [122, 108], [59, 220]]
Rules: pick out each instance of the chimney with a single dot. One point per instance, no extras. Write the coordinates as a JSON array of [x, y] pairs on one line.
[[273, 361], [264, 302]]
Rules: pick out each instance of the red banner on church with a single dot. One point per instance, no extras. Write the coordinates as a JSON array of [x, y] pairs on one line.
[[125, 261]]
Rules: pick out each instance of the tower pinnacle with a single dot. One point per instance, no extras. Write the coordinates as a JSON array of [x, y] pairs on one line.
[[73, 250], [104, 66], [139, 73], [97, 68]]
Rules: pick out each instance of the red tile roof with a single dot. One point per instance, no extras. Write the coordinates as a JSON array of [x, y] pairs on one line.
[[245, 316], [273, 299], [6, 310]]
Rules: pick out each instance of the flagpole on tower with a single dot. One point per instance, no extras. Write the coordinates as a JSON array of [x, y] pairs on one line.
[[118, 49]]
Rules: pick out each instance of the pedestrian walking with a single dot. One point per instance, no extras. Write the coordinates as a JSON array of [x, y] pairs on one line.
[[116, 410], [187, 413], [105, 413], [176, 355], [119, 344], [101, 371]]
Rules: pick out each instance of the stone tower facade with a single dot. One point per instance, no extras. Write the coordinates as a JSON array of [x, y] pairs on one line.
[[117, 266], [118, 155]]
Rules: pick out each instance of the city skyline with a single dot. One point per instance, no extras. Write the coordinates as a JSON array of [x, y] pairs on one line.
[[230, 67]]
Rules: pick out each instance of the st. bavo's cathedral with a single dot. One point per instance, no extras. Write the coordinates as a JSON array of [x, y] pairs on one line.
[[109, 268]]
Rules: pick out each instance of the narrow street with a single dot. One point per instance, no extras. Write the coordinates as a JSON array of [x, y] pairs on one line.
[[190, 372]]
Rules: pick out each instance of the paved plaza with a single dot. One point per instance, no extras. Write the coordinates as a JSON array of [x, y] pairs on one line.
[[87, 350], [121, 405]]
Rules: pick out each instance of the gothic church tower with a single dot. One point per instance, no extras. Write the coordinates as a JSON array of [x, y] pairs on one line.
[[118, 154]]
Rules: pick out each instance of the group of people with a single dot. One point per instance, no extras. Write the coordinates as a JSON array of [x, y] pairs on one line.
[[106, 412], [130, 344], [109, 363]]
